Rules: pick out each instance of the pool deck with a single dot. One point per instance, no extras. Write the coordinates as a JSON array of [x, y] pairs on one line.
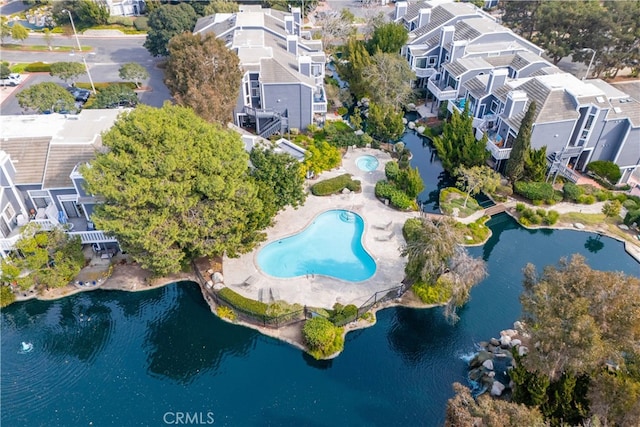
[[382, 239]]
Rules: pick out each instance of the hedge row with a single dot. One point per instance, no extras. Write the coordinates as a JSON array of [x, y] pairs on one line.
[[535, 217], [397, 198], [250, 306], [335, 185], [103, 85]]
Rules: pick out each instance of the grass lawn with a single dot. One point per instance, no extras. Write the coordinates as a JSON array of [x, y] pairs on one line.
[[451, 198], [42, 48], [584, 218]]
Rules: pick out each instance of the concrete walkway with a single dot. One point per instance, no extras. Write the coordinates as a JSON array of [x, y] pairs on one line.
[[323, 291]]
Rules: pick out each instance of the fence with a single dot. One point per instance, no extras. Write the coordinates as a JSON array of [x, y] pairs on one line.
[[302, 314]]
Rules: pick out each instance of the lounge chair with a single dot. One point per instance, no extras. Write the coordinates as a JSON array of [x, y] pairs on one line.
[[385, 237], [384, 226]]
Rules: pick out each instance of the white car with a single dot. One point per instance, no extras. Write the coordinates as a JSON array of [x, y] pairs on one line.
[[13, 79]]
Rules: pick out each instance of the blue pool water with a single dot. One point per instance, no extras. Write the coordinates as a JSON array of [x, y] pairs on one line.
[[367, 163], [330, 246]]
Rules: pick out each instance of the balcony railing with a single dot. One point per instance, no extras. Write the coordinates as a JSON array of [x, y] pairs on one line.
[[89, 237], [424, 72], [319, 107], [442, 94], [494, 147]]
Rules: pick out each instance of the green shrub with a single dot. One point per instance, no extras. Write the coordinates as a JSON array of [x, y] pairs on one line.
[[400, 200], [632, 217], [247, 305], [552, 217], [528, 213], [343, 314], [38, 67], [432, 294], [121, 20], [384, 189], [534, 190], [605, 169], [587, 199], [6, 296], [520, 207], [537, 202], [603, 195], [103, 85], [342, 111], [141, 24], [391, 170], [535, 219], [322, 337], [630, 205], [541, 212], [558, 196], [335, 185], [524, 221], [572, 192]]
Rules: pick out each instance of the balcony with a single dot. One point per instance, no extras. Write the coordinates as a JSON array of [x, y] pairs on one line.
[[495, 145], [424, 72], [441, 93], [319, 100]]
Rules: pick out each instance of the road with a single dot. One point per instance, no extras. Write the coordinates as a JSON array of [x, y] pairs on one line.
[[106, 57]]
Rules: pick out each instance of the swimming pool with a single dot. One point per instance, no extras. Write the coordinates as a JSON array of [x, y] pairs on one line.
[[330, 246], [367, 163]]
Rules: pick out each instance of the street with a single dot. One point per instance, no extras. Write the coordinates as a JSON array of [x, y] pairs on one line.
[[104, 61]]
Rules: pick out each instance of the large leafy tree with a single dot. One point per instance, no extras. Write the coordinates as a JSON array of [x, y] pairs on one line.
[[519, 155], [220, 6], [387, 37], [279, 179], [18, 32], [47, 259], [476, 179], [458, 146], [67, 70], [46, 96], [389, 79], [203, 74], [174, 187], [165, 22], [520, 16], [86, 13]]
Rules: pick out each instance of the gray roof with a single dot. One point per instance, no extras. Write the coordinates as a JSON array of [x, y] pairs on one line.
[[551, 69], [477, 86], [62, 159], [461, 65], [442, 14], [29, 156], [525, 58], [628, 109]]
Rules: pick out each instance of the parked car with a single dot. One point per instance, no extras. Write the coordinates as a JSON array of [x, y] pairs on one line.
[[13, 79], [80, 95]]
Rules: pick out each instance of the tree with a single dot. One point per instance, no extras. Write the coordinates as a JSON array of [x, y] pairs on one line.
[[46, 96], [321, 156], [48, 37], [373, 20], [463, 410], [203, 74], [519, 153], [51, 259], [174, 188], [92, 13], [385, 122], [476, 179], [5, 71], [220, 6], [605, 169], [322, 337], [356, 61], [336, 26], [388, 37], [457, 145], [134, 72], [535, 166], [389, 78], [520, 16], [18, 32], [410, 181], [166, 22], [5, 29], [612, 208], [579, 318], [279, 179], [67, 70], [115, 95]]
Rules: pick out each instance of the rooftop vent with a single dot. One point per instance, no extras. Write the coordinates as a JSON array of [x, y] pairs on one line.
[[600, 99], [618, 110]]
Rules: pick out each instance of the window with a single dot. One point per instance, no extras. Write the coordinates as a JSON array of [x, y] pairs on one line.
[[39, 198], [589, 122], [433, 60], [494, 106], [9, 213], [421, 62], [255, 89]]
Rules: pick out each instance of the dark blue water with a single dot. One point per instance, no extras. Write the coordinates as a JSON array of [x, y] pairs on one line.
[[117, 358], [426, 160]]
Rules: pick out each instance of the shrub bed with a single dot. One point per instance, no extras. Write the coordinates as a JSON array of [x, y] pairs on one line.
[[439, 293], [536, 217], [103, 85], [605, 169], [336, 185], [535, 191], [342, 315], [322, 337]]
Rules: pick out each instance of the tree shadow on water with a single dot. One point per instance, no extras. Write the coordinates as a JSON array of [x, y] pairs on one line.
[[594, 244], [188, 340]]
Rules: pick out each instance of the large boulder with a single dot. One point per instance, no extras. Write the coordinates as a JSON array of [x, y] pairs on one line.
[[479, 359], [497, 388], [518, 325], [522, 350], [488, 364], [515, 342], [505, 340], [494, 342], [509, 333]]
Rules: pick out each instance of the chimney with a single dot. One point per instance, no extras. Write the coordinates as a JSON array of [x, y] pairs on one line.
[[288, 24], [446, 35], [458, 49], [401, 9], [297, 19], [424, 17], [516, 103], [304, 65], [292, 44], [497, 78]]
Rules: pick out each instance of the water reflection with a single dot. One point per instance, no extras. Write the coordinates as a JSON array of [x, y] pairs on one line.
[[186, 339], [594, 244]]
